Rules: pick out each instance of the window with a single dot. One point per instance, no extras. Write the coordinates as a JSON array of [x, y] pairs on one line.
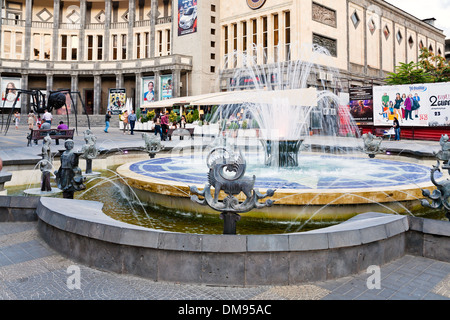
[[255, 37], [160, 43], [386, 32], [225, 37], [99, 47], [90, 47], [168, 41], [47, 46], [244, 36], [265, 39], [147, 45], [7, 44], [276, 39], [124, 46], [114, 47], [63, 47], [410, 42], [19, 45], [235, 43], [287, 35], [36, 46], [372, 26], [138, 45], [399, 37], [74, 44], [355, 19]]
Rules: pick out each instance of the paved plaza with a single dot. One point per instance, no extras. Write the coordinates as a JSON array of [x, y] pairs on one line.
[[30, 269]]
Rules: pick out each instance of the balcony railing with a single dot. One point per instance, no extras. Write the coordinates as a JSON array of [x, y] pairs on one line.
[[77, 26], [13, 22]]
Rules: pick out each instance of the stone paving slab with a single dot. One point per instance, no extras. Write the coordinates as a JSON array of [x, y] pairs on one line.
[[32, 271]]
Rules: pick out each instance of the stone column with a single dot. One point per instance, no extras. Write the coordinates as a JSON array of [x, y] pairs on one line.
[[56, 19], [49, 83], [97, 93], [138, 91], [119, 80], [157, 85], [24, 105], [74, 87], [81, 42], [106, 40], [176, 78], [131, 19], [153, 17]]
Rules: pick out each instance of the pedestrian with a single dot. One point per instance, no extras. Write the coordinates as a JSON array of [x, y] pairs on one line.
[[132, 120], [47, 117], [165, 125], [157, 122], [107, 119], [39, 122], [31, 120], [17, 119], [125, 122], [62, 126], [396, 129]]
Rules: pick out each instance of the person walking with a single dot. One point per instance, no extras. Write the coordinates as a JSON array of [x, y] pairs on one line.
[[47, 117], [396, 129], [132, 120], [31, 120], [17, 119], [125, 122], [107, 119], [157, 122], [165, 125]]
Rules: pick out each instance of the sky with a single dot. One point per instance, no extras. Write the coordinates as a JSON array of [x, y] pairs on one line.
[[438, 9]]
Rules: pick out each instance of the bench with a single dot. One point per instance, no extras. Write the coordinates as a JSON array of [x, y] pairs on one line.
[[55, 134], [170, 132]]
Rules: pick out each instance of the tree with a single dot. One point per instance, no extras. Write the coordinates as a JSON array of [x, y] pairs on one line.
[[429, 68]]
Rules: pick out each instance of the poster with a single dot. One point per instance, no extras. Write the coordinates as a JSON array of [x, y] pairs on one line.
[[116, 100], [148, 90], [361, 104], [187, 17], [166, 87], [439, 100], [409, 103], [8, 98]]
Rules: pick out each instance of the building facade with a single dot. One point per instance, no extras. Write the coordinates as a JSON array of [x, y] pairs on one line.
[[93, 46]]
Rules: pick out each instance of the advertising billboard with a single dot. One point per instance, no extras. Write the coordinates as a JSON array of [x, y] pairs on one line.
[[166, 87], [361, 104], [9, 92], [148, 90], [187, 17], [117, 99], [409, 103]]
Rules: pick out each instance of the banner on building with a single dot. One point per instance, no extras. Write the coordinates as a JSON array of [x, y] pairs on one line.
[[148, 90], [361, 104], [116, 100], [9, 88], [165, 87], [409, 103], [187, 17]]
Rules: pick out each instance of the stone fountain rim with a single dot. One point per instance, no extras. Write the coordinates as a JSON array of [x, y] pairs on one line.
[[86, 219]]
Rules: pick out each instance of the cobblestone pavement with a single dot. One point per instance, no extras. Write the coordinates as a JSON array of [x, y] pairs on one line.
[[30, 270]]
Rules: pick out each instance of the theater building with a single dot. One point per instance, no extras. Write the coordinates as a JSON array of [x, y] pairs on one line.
[[187, 47]]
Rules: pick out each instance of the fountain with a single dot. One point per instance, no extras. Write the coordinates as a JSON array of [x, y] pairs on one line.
[[287, 102]]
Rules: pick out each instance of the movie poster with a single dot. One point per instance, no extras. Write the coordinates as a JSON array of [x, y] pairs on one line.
[[361, 104], [9, 92], [187, 17], [117, 99], [166, 87], [409, 103], [148, 89]]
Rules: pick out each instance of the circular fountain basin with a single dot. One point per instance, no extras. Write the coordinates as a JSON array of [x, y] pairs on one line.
[[322, 187]]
